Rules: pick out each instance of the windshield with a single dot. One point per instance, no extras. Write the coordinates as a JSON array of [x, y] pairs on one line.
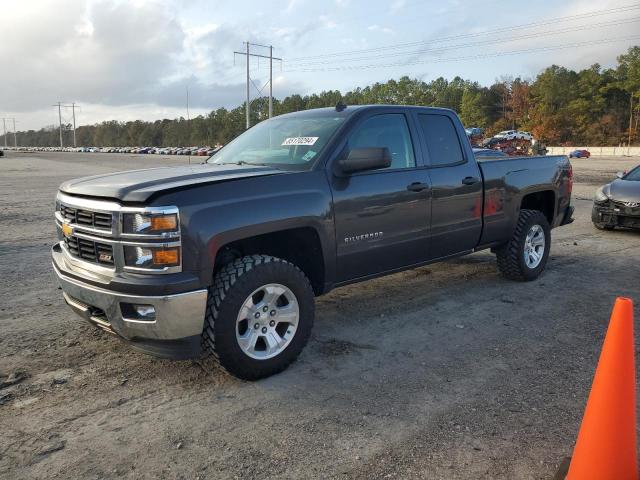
[[633, 175], [289, 142]]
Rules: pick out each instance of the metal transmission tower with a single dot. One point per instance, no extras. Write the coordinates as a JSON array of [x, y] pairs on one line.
[[271, 58], [73, 109], [4, 125], [59, 105]]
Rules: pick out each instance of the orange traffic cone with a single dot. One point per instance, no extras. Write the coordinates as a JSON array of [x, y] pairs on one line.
[[606, 446]]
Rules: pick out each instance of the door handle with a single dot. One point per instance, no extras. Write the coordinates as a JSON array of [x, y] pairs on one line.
[[470, 180], [417, 186]]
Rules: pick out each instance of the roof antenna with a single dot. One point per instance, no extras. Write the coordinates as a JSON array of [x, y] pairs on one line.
[[340, 106]]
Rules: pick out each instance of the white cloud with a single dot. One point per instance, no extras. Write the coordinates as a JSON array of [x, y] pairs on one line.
[[378, 28], [398, 5], [135, 58]]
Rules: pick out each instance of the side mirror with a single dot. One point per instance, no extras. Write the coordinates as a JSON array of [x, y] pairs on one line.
[[620, 174], [363, 159]]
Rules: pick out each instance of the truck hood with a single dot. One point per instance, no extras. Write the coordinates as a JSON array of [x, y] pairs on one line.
[[625, 190], [139, 185]]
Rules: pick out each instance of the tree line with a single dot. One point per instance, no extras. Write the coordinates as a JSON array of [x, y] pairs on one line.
[[595, 106]]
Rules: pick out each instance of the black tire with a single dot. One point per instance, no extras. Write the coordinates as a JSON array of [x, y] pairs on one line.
[[511, 256], [231, 287]]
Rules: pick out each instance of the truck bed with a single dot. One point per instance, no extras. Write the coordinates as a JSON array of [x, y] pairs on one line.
[[508, 180]]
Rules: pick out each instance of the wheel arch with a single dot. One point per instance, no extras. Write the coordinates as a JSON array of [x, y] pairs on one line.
[[301, 246], [541, 200]]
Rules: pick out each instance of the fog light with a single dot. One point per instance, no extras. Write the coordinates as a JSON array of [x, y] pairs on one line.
[[144, 313]]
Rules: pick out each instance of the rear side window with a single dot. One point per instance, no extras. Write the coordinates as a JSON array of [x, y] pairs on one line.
[[442, 140], [386, 130]]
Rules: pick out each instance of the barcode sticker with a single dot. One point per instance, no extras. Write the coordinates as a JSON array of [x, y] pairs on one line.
[[299, 141]]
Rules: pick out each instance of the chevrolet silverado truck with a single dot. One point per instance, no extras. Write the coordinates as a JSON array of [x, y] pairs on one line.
[[225, 258]]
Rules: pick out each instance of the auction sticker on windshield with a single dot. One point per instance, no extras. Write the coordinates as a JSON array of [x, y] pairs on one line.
[[299, 141]]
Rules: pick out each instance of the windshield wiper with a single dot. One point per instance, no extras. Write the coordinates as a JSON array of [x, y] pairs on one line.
[[242, 162]]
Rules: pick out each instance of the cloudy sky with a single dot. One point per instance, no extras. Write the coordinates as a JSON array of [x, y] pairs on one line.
[[135, 59]]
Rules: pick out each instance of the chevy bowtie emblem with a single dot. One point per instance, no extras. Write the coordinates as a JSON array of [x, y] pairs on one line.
[[632, 204], [67, 229]]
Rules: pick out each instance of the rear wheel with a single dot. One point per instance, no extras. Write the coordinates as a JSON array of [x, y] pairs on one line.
[[525, 255], [259, 316]]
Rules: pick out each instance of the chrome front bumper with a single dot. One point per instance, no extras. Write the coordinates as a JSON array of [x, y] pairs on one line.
[[177, 316]]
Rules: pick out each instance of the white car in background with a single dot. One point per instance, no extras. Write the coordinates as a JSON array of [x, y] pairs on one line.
[[514, 135], [526, 136]]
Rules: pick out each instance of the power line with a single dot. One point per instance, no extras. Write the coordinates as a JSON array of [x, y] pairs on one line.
[[271, 58], [472, 44], [469, 57], [593, 13]]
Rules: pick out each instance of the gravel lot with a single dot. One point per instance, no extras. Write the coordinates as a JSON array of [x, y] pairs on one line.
[[446, 371]]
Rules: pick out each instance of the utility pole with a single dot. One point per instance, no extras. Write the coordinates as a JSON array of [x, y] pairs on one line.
[[4, 126], [248, 79], [59, 105], [271, 58], [188, 124], [270, 81], [630, 123], [73, 109]]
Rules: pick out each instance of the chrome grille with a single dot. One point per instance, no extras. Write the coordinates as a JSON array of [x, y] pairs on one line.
[[90, 231], [86, 217], [95, 252]]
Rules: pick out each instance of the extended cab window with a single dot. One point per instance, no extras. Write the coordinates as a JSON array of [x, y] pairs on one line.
[[442, 139], [387, 130], [290, 143]]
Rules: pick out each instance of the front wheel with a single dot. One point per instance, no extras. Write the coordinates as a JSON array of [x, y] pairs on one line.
[[259, 316], [525, 255]]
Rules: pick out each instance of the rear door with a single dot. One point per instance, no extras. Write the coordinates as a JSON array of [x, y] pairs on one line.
[[456, 184], [382, 216]]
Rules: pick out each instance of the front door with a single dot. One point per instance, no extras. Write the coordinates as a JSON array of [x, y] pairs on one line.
[[381, 216]]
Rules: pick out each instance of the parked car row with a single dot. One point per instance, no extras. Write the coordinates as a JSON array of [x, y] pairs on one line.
[[196, 151]]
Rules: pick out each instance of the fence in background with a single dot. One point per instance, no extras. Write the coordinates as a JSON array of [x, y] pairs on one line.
[[596, 151]]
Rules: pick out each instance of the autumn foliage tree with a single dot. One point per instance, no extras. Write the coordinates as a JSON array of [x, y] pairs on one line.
[[593, 106]]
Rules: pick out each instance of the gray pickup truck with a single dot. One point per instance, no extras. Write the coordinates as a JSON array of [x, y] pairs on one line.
[[225, 258]]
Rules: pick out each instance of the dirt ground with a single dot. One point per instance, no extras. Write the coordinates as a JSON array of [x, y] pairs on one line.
[[446, 371]]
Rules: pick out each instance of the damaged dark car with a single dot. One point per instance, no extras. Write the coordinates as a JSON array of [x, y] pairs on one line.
[[617, 204]]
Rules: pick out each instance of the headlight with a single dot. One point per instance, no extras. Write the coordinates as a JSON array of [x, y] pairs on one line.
[[600, 195], [153, 258], [149, 223]]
